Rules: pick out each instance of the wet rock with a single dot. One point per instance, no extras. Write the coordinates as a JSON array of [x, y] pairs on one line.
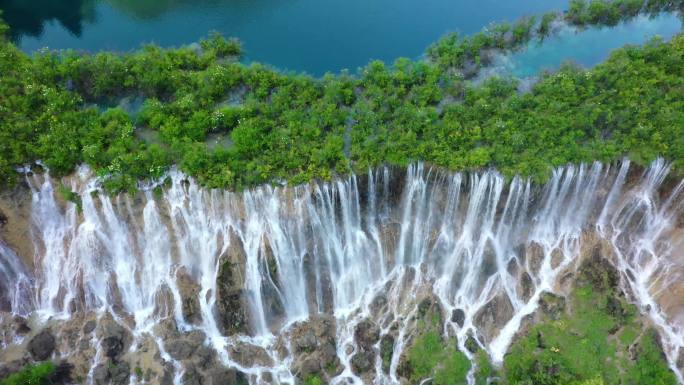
[[273, 306], [274, 310], [167, 329], [556, 258], [249, 355], [113, 337], [42, 345], [100, 375], [5, 302], [231, 302], [378, 304], [362, 362], [226, 376], [167, 375], [89, 326], [61, 374], [386, 351], [119, 373], [7, 368], [493, 316], [552, 305], [179, 350], [308, 366], [189, 293], [471, 344], [327, 353], [458, 316], [21, 326], [305, 341], [327, 304], [163, 302], [366, 334], [395, 189], [271, 263], [314, 347], [525, 286], [191, 377], [112, 373], [205, 356], [389, 236], [309, 269], [185, 346], [429, 308], [534, 254], [598, 272]]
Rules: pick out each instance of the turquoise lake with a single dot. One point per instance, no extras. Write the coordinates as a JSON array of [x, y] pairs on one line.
[[313, 36], [586, 47]]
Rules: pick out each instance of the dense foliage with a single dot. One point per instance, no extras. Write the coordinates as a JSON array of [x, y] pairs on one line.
[[233, 125], [31, 375]]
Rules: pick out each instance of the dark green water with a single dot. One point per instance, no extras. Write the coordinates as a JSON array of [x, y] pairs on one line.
[[314, 36]]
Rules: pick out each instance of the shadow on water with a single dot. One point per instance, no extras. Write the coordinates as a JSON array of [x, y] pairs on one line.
[[151, 9], [313, 36], [28, 18]]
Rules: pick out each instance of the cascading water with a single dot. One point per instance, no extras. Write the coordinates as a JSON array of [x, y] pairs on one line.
[[469, 239], [15, 284]]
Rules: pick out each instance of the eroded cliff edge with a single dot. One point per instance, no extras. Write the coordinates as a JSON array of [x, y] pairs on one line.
[[393, 277]]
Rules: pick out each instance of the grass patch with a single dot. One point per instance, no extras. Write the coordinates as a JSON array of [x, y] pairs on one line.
[[485, 371], [650, 367], [313, 380], [590, 344], [430, 357]]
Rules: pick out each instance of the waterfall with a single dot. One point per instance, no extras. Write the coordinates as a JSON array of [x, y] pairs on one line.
[[15, 283], [467, 238]]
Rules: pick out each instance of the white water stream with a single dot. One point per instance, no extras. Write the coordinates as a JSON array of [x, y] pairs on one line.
[[336, 246]]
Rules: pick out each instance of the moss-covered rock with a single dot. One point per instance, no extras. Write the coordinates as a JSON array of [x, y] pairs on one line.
[[232, 311], [599, 338], [431, 355]]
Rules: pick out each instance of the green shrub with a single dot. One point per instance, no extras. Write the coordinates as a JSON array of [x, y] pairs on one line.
[[313, 380], [545, 24], [69, 196], [31, 375], [293, 128]]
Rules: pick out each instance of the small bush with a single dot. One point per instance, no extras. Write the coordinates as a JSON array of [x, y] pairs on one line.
[[31, 375]]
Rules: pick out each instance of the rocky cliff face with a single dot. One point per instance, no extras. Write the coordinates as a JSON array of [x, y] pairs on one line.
[[345, 282]]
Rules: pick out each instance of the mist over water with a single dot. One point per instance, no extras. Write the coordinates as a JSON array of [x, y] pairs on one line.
[[469, 239]]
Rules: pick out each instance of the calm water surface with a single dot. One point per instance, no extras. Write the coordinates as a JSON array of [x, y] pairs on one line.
[[588, 47], [314, 36]]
